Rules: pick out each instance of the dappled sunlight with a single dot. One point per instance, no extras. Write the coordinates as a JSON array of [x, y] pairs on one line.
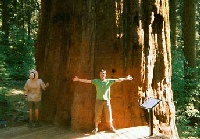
[[15, 92]]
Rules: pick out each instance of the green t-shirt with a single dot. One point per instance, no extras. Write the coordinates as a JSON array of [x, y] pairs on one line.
[[102, 88]]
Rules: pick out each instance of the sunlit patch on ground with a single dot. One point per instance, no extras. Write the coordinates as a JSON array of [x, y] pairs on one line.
[[53, 132], [15, 92]]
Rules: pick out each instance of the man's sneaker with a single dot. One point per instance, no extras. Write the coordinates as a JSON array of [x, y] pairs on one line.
[[113, 130], [95, 131]]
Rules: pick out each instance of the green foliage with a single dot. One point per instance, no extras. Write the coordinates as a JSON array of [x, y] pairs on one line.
[[3, 102], [20, 54], [177, 72], [186, 101], [185, 131], [3, 73], [17, 37], [186, 91], [13, 105], [2, 65], [17, 49], [16, 54]]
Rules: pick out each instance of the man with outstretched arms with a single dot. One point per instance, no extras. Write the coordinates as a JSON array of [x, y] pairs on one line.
[[102, 97]]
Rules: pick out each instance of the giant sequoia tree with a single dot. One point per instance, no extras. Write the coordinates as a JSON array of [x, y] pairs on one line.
[[123, 37]]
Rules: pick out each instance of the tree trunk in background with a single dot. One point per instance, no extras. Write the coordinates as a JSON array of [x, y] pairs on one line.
[[5, 22], [123, 37], [190, 65], [189, 31], [173, 21]]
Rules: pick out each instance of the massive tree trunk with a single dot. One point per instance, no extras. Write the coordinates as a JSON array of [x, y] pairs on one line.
[[123, 37]]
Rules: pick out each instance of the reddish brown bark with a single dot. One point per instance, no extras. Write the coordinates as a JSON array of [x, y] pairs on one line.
[[80, 38]]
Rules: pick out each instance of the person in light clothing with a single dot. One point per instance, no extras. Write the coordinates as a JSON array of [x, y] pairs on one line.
[[102, 97], [33, 88]]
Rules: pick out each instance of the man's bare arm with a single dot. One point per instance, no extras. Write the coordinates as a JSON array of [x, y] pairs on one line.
[[129, 78], [75, 79]]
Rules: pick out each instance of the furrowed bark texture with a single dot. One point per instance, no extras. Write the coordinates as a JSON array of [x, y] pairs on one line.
[[122, 37]]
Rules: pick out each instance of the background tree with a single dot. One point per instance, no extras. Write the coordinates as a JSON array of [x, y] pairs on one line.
[[5, 21], [190, 64], [173, 23], [189, 37], [186, 100]]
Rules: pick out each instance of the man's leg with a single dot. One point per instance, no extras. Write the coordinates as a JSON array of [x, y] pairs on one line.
[[96, 126], [37, 106], [30, 105], [98, 114], [30, 124], [108, 114], [36, 114], [30, 114]]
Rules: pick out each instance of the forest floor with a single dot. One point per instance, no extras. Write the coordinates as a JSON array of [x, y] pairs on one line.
[[53, 132], [15, 114], [14, 111], [14, 108]]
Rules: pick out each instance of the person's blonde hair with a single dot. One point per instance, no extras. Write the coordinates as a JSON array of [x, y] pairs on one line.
[[34, 72]]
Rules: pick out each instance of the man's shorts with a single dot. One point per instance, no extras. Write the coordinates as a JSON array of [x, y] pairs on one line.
[[99, 107], [34, 104]]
